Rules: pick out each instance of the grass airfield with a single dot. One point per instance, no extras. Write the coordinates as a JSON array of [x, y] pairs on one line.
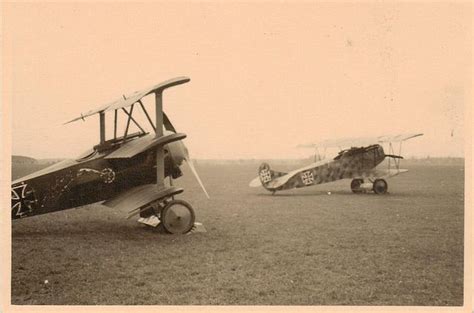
[[299, 247]]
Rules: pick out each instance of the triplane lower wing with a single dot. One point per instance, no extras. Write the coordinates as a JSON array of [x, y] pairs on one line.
[[357, 160], [126, 172]]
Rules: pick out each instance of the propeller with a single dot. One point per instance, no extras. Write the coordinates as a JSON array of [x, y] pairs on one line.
[[180, 153], [193, 169]]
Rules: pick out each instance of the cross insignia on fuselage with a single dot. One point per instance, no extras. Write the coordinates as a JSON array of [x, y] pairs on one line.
[[307, 177], [265, 176], [21, 205]]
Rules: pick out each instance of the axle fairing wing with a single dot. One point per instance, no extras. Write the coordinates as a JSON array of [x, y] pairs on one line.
[[140, 197]]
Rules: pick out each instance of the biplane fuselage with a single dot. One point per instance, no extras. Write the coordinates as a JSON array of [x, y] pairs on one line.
[[357, 163], [354, 162], [91, 178]]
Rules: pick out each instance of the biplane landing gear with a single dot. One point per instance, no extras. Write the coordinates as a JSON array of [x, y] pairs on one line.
[[380, 186], [355, 185], [177, 217]]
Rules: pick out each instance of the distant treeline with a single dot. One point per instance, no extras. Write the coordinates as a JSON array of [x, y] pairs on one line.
[[20, 159], [408, 161], [23, 159]]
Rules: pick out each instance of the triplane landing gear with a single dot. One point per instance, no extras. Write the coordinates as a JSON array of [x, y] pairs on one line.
[[172, 216], [163, 211], [379, 186], [177, 217]]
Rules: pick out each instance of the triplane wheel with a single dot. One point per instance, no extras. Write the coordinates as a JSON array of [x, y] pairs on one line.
[[355, 185], [380, 186], [177, 217]]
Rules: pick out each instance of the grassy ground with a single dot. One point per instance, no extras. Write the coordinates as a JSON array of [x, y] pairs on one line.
[[295, 248]]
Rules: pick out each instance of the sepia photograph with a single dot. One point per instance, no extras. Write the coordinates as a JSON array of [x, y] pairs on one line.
[[244, 155]]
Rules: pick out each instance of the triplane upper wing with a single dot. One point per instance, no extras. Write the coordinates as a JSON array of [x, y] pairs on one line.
[[133, 98]]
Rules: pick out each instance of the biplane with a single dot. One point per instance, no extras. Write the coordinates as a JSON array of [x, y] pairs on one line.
[[357, 159], [125, 172]]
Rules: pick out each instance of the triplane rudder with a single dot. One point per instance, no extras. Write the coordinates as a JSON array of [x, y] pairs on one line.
[[357, 162], [124, 172]]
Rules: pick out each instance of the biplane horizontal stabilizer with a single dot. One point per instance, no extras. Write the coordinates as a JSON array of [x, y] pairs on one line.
[[256, 182]]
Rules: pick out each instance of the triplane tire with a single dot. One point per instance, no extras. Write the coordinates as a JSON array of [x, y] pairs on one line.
[[355, 185], [380, 186], [177, 217]]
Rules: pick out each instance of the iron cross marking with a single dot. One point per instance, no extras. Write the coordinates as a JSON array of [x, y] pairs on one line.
[[23, 200]]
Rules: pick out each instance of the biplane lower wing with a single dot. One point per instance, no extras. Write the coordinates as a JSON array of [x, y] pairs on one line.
[[386, 173], [134, 147], [140, 197]]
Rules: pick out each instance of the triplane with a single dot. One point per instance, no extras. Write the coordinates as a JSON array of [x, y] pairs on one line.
[[358, 162], [126, 172]]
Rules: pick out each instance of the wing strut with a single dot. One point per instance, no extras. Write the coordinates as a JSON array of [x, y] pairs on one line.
[[147, 116], [160, 154], [102, 127], [130, 118], [115, 124]]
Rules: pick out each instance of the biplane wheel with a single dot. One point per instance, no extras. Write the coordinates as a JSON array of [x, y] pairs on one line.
[[380, 186], [355, 185], [177, 217]]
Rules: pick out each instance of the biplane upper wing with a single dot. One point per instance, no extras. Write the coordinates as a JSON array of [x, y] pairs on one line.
[[127, 101], [359, 142]]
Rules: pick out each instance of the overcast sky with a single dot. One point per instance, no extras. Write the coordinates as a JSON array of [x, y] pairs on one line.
[[264, 77]]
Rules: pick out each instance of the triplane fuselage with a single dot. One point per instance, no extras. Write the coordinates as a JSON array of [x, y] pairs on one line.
[[125, 172]]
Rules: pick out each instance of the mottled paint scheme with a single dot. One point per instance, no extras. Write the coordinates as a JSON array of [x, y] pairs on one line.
[[351, 163], [90, 179]]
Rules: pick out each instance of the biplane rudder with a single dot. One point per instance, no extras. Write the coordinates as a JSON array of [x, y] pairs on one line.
[[267, 175]]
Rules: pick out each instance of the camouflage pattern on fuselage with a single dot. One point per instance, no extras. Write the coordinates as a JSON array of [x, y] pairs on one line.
[[351, 163]]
